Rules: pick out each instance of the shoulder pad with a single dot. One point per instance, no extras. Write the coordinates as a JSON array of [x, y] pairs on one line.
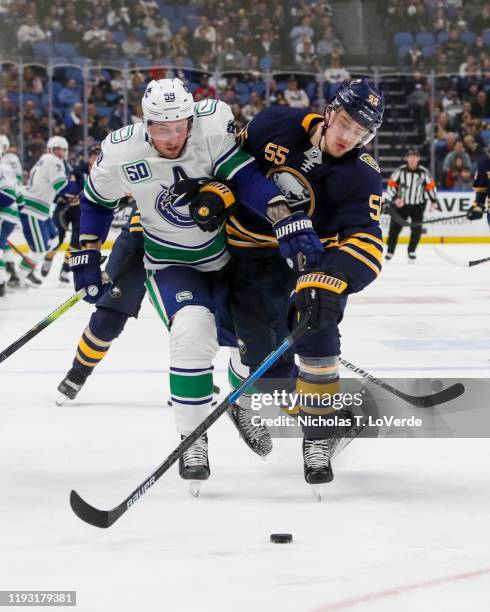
[[214, 117], [367, 159]]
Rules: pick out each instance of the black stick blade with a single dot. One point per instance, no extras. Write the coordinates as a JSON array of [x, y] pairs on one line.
[[441, 397], [89, 514]]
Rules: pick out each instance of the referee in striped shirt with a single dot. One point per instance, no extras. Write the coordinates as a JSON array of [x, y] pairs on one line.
[[410, 186]]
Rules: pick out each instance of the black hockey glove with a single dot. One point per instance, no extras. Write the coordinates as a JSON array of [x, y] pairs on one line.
[[320, 294], [211, 206], [475, 212], [298, 241], [85, 265]]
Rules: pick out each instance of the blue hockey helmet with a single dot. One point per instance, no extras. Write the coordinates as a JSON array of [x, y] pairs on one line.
[[363, 102]]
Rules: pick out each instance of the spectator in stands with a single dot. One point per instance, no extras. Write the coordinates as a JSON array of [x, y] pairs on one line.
[[109, 50], [458, 119], [451, 160], [159, 28], [474, 148], [442, 126], [132, 47], [460, 20], [230, 58], [100, 130], [93, 39], [481, 107], [206, 62], [417, 100], [413, 58], [336, 73], [240, 121], [441, 21], [70, 94], [482, 20], [304, 29], [205, 90], [305, 57], [28, 34], [254, 107], [138, 15], [266, 46], [464, 179], [327, 45], [204, 37], [454, 47], [116, 119], [74, 125], [71, 32], [478, 48], [32, 82], [452, 105], [118, 18], [420, 22], [295, 97], [178, 46]]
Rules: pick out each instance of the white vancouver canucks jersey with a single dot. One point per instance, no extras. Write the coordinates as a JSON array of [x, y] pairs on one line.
[[47, 178], [10, 190], [12, 160], [164, 187]]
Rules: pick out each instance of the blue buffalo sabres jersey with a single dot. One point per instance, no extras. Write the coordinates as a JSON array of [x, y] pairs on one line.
[[341, 195], [481, 184]]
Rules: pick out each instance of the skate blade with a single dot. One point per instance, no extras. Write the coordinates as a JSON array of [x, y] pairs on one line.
[[195, 487], [61, 399], [319, 491]]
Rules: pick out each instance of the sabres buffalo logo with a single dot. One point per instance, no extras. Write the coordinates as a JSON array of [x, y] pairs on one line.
[[294, 187], [172, 203]]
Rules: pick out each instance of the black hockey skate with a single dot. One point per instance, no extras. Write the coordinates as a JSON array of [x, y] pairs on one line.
[[256, 437], [316, 456], [14, 280], [46, 267], [32, 280], [194, 464], [71, 385], [2, 289]]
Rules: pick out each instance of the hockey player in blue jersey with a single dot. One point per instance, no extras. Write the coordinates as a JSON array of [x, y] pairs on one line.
[[333, 189], [481, 187]]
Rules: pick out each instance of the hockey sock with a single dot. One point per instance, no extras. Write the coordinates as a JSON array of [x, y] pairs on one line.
[[317, 384], [193, 345], [104, 326]]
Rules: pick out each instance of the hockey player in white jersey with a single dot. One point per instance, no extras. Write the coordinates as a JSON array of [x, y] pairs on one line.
[[47, 178], [164, 162], [9, 214], [10, 159]]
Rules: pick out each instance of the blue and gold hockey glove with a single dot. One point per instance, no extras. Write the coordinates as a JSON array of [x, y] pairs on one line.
[[211, 206], [320, 294], [87, 274], [475, 212], [298, 241]]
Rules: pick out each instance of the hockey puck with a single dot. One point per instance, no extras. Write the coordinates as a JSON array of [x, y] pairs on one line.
[[281, 538]]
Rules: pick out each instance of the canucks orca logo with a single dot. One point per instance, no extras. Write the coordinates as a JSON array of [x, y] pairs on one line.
[[294, 187], [172, 203]]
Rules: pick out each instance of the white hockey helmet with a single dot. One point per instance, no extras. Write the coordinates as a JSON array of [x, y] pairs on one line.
[[167, 100], [57, 142], [4, 144]]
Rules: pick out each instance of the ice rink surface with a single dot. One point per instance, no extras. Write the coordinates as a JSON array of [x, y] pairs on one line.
[[405, 525]]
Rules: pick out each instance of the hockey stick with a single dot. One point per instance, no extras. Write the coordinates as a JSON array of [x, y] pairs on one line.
[[459, 262], [106, 518], [38, 328], [404, 223], [420, 401], [51, 318], [28, 262]]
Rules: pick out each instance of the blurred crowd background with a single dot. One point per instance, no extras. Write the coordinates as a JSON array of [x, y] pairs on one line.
[[79, 68]]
